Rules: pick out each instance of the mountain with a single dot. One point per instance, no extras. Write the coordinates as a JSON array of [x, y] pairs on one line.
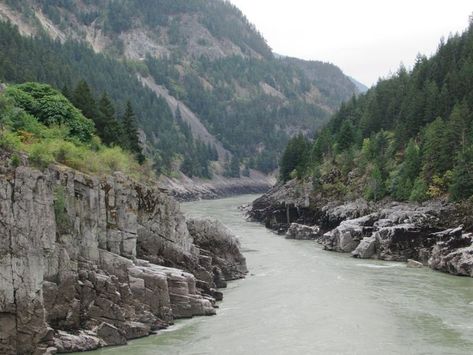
[[202, 79], [360, 86], [410, 137]]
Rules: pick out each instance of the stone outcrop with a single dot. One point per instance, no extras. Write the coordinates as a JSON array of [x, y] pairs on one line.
[[335, 213], [283, 205], [347, 236], [302, 232], [392, 231], [220, 250], [453, 253], [192, 189], [87, 262]]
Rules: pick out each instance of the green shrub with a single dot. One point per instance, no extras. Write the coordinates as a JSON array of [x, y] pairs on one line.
[[50, 107], [113, 159], [51, 136], [40, 155], [15, 160], [9, 140]]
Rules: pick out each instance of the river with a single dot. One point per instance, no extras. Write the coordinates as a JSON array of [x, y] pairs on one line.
[[299, 299]]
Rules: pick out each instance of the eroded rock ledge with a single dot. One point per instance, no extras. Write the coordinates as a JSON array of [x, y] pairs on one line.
[[393, 231], [88, 262]]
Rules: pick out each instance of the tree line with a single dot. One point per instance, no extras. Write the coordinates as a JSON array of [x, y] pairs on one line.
[[40, 59], [410, 137], [110, 127]]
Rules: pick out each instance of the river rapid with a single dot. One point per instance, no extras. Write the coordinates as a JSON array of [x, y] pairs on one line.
[[300, 299]]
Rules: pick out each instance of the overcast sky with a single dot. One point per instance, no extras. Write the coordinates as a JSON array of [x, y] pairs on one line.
[[367, 39]]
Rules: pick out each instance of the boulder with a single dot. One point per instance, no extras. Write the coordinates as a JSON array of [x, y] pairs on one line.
[[366, 249], [453, 253], [217, 242], [346, 237], [82, 341], [110, 335], [302, 232], [414, 264]]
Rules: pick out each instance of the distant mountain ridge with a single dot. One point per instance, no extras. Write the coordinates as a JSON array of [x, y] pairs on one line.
[[362, 88], [214, 65]]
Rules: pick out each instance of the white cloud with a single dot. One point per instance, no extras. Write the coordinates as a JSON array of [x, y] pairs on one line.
[[368, 39]]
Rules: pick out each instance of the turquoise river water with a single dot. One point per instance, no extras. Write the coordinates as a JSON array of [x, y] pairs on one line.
[[299, 299]]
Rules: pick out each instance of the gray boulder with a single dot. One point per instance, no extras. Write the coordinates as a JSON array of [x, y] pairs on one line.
[[346, 237], [366, 249], [219, 244], [414, 264], [303, 232], [453, 253]]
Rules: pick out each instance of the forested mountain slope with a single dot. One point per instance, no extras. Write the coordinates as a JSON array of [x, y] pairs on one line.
[[410, 137], [204, 53]]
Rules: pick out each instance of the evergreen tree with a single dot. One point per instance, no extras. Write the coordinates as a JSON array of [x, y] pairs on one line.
[[131, 133], [108, 127], [411, 164], [376, 188], [83, 99], [66, 91], [419, 191], [346, 136], [435, 156], [321, 147], [462, 181], [187, 166], [295, 157], [457, 129], [233, 169], [407, 173]]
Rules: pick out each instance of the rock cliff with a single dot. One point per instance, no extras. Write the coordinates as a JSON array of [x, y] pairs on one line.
[[87, 262], [385, 230]]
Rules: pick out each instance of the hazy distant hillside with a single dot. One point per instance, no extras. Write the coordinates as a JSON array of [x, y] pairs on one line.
[[213, 68], [360, 86]]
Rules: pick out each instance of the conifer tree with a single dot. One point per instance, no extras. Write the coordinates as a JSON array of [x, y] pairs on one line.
[[462, 181], [234, 168], [108, 127], [66, 91], [408, 172], [130, 132], [346, 137], [434, 155], [375, 189], [83, 99], [295, 157]]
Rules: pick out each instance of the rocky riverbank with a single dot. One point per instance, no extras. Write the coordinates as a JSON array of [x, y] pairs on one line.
[[431, 233], [87, 262], [186, 189]]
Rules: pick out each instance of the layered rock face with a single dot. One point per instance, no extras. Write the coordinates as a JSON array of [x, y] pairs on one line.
[[220, 250], [387, 231], [283, 205], [88, 262]]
